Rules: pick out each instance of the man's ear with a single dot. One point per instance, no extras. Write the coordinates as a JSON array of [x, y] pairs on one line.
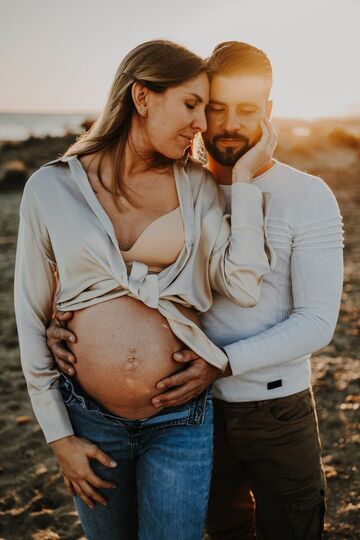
[[140, 96], [268, 109]]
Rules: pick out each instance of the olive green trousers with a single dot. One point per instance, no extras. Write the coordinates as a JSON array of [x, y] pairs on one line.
[[268, 481]]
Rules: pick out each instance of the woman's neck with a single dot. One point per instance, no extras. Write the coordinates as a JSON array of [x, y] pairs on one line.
[[138, 156], [138, 151]]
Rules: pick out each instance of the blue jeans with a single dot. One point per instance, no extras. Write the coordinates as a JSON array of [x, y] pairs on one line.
[[163, 473]]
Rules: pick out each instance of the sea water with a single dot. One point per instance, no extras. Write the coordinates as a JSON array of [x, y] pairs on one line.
[[20, 126]]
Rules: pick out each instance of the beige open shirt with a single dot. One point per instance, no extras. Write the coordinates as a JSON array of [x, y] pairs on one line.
[[64, 228]]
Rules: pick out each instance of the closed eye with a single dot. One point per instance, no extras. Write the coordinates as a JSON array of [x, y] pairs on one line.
[[248, 111], [216, 109]]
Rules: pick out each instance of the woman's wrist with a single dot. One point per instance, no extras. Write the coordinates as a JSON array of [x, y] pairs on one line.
[[242, 176], [61, 442]]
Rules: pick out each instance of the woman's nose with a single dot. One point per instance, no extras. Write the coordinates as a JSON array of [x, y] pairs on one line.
[[200, 122]]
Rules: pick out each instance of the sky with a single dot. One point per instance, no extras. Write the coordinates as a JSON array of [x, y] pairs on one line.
[[61, 56]]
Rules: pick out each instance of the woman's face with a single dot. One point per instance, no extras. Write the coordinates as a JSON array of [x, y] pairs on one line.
[[175, 116]]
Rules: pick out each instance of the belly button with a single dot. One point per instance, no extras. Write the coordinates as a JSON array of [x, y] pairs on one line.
[[132, 361]]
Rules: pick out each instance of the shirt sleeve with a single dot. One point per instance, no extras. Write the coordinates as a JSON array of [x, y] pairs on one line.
[[316, 270], [241, 256], [33, 296]]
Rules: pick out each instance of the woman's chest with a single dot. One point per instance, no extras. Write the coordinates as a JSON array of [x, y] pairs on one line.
[[130, 217], [84, 230], [129, 224]]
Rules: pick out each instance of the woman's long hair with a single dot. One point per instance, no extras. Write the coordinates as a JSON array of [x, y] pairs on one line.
[[158, 65]]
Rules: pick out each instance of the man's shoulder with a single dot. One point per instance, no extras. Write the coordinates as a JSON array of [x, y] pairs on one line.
[[313, 199], [299, 183]]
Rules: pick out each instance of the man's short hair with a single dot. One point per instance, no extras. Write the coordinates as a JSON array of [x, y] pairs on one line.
[[234, 57]]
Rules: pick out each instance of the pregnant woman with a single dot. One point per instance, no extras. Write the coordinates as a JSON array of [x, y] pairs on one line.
[[129, 234]]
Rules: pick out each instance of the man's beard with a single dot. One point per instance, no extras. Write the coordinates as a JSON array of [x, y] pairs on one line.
[[227, 156]]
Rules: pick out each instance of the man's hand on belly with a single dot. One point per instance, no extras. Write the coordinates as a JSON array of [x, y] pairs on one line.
[[188, 383], [57, 337]]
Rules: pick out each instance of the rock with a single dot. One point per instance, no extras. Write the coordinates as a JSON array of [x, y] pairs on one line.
[[47, 534], [40, 469], [13, 176], [23, 419]]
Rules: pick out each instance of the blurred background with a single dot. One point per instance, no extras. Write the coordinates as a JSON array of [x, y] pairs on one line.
[[57, 61]]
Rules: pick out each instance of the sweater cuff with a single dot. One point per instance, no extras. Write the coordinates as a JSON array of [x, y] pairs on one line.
[[246, 207], [250, 209], [238, 365], [51, 413]]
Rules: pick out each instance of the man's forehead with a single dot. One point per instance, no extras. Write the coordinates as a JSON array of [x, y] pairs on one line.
[[238, 88]]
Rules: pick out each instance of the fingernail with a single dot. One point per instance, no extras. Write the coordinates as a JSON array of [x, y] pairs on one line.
[[70, 358], [113, 463], [72, 338], [92, 506], [160, 385], [178, 355], [156, 404], [104, 504]]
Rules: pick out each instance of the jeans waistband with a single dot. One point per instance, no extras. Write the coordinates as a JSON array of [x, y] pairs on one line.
[[191, 412]]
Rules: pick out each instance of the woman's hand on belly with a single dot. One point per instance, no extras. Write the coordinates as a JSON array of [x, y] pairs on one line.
[[73, 455]]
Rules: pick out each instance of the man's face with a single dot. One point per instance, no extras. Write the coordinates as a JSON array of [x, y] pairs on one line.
[[237, 105]]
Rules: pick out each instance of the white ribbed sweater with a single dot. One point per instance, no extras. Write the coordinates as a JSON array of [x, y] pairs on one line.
[[269, 345]]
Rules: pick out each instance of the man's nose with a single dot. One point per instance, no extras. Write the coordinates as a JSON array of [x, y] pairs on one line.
[[231, 122]]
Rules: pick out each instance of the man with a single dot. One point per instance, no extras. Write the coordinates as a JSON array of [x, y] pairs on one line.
[[267, 447]]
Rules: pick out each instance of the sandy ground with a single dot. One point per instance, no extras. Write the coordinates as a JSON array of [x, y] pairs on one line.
[[33, 502]]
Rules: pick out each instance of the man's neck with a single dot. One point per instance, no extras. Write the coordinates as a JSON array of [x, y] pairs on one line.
[[223, 174]]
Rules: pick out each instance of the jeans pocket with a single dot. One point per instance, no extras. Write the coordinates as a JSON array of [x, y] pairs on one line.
[[292, 410]]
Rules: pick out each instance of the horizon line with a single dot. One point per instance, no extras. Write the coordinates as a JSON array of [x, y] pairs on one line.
[[355, 115]]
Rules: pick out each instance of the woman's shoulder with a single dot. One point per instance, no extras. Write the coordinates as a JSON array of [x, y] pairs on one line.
[[44, 184], [51, 173]]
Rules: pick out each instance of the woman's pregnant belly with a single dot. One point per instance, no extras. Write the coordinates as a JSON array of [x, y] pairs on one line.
[[123, 349]]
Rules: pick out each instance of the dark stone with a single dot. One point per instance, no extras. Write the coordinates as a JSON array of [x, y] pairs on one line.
[[13, 179]]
